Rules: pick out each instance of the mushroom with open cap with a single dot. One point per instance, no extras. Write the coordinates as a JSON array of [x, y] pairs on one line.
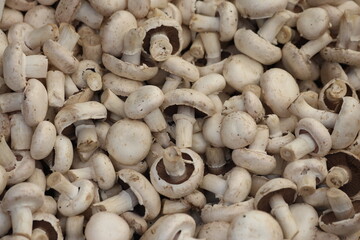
[[343, 171], [74, 197], [46, 226], [344, 217], [182, 226], [18, 67], [163, 37], [107, 225], [311, 138], [254, 158], [306, 173], [88, 74], [233, 188], [274, 196], [22, 200], [144, 103], [177, 173], [253, 225], [140, 192]]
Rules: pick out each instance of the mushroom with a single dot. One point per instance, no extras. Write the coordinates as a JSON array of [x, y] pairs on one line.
[[140, 191], [5, 220], [55, 85], [318, 199], [101, 171], [43, 140], [21, 133], [4, 176], [214, 231], [254, 158], [274, 196], [7, 158], [306, 174], [136, 223], [311, 27], [18, 67], [74, 228], [177, 173], [63, 154], [163, 37], [144, 103], [22, 200], [195, 200], [46, 225], [255, 225], [107, 225], [109, 8], [60, 53], [68, 11], [257, 9], [120, 86], [234, 188], [74, 197], [39, 16], [20, 4], [88, 74], [128, 141], [311, 138], [24, 168], [343, 171], [182, 227], [343, 218]]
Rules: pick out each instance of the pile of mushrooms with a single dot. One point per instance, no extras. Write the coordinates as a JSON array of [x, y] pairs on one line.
[[183, 119]]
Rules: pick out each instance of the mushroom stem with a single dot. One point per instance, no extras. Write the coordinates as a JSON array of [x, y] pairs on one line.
[[21, 220], [36, 66], [286, 34], [273, 123], [68, 37], [184, 121], [261, 139], [212, 47], [312, 47], [120, 203], [207, 8], [74, 227], [202, 23], [273, 25], [81, 173], [283, 214], [87, 139], [58, 182], [171, 83], [197, 48], [37, 37], [39, 233], [338, 176], [298, 148], [340, 204], [306, 185], [214, 184], [93, 79], [215, 159], [7, 157], [336, 91], [173, 162], [133, 40], [160, 47], [155, 121], [162, 138]]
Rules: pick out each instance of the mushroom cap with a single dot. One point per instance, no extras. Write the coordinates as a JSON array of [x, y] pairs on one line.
[[281, 186], [238, 185], [23, 195], [255, 9], [143, 190], [14, 67], [105, 175], [254, 161], [170, 27], [143, 101], [171, 227], [191, 98], [275, 143], [346, 158], [306, 219], [173, 189], [210, 83], [142, 72], [120, 86], [74, 206], [181, 68], [238, 129], [24, 168], [84, 65], [240, 70], [49, 223], [211, 130], [319, 134], [128, 141], [298, 64], [228, 20], [346, 227], [214, 231], [279, 90], [113, 31], [107, 225], [66, 10], [40, 15], [312, 23], [17, 34], [253, 225]]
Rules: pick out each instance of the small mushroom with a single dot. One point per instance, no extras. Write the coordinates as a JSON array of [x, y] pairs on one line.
[[120, 86], [311, 138], [274, 196], [177, 173], [39, 16], [47, 226], [257, 9], [24, 168], [21, 133], [311, 27], [318, 199], [43, 140], [140, 191], [88, 74], [306, 174]]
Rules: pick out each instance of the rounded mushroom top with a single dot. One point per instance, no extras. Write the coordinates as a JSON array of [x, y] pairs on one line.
[[256, 9], [318, 132], [181, 68], [281, 186], [228, 20], [23, 195], [254, 225], [312, 23], [191, 98], [210, 83], [107, 225], [14, 67], [104, 170], [143, 190], [279, 89], [143, 101]]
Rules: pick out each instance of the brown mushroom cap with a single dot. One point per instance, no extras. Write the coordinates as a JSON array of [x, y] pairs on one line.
[[281, 186], [350, 160], [143, 101], [143, 190]]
